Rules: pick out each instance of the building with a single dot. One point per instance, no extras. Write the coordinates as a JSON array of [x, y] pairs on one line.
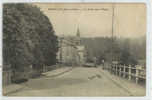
[[80, 49], [71, 51]]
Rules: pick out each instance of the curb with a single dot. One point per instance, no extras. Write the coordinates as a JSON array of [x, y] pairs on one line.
[[24, 84], [56, 75], [118, 84], [14, 90]]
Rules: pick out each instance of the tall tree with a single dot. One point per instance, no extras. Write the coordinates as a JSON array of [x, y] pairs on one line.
[[28, 37]]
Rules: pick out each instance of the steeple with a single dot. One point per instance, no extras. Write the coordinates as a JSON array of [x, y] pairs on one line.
[[78, 32], [78, 37]]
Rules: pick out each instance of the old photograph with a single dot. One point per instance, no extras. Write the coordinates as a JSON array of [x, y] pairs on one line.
[[74, 49]]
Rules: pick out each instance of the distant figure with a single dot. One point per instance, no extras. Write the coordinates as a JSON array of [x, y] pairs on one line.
[[103, 63], [95, 62]]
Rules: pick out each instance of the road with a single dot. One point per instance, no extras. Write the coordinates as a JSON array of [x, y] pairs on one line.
[[80, 81]]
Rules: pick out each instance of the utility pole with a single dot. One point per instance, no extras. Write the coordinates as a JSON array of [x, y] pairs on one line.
[[112, 20], [112, 30]]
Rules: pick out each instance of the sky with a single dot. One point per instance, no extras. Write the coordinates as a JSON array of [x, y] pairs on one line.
[[95, 19]]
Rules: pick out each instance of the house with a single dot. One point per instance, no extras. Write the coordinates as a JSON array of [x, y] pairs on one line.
[[71, 51]]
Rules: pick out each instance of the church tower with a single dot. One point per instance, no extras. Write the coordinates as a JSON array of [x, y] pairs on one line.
[[78, 32], [78, 37], [80, 49]]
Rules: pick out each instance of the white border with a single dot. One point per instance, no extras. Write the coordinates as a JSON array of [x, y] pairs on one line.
[[148, 53]]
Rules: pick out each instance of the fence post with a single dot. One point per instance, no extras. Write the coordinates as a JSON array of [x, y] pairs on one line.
[[137, 74], [129, 72], [120, 70], [116, 69], [111, 68], [124, 71]]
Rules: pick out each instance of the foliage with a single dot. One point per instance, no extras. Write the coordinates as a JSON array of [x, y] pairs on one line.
[[125, 50], [28, 37], [126, 57]]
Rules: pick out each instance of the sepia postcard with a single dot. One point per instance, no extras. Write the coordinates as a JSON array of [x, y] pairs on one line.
[[74, 49]]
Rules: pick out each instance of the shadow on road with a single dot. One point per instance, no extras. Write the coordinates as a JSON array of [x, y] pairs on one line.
[[94, 76], [53, 83]]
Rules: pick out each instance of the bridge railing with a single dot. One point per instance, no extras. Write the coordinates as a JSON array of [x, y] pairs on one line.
[[131, 72]]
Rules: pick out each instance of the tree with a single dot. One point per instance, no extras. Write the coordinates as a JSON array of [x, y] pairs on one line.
[[126, 57], [120, 49], [28, 37]]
